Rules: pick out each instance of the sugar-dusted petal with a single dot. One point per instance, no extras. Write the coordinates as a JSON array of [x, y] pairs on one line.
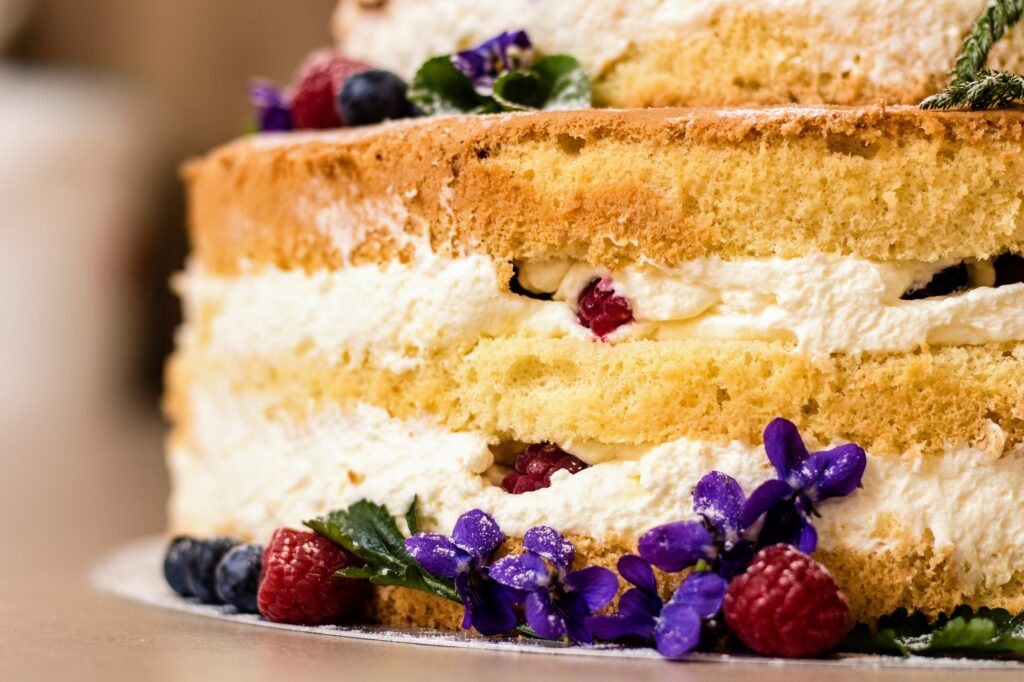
[[807, 537], [719, 499], [526, 572], [837, 472], [551, 545], [492, 611], [438, 554], [785, 447], [637, 572], [703, 592], [764, 497], [595, 584], [272, 110], [675, 546], [677, 632], [574, 611], [542, 617], [478, 534]]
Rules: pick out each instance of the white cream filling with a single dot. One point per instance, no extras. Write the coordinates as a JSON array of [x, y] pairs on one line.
[[399, 311], [261, 472], [884, 41]]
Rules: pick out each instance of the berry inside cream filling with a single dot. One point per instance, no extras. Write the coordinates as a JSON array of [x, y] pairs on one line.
[[398, 313]]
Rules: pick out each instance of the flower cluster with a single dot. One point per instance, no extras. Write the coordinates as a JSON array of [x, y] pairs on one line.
[[732, 527], [483, 64]]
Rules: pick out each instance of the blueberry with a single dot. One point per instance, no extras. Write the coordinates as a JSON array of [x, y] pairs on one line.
[[176, 564], [1009, 269], [238, 577], [202, 567], [951, 280], [374, 96]]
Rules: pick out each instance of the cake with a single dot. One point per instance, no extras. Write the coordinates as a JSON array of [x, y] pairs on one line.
[[698, 52], [401, 312]]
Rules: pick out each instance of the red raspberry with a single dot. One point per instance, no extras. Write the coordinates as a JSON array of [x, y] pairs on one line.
[[316, 88], [601, 310], [535, 465], [787, 604], [297, 584]]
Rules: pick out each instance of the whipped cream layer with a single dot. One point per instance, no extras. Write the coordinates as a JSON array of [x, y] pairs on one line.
[[397, 312], [255, 470], [887, 42]]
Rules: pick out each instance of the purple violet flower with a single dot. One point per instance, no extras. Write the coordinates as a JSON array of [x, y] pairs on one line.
[[557, 600], [783, 507], [273, 113], [675, 626], [484, 63], [464, 557], [720, 538]]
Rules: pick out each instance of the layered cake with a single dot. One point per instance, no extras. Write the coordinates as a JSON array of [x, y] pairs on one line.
[[567, 319], [698, 52]]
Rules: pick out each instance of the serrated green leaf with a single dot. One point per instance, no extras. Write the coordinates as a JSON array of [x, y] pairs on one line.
[[438, 88], [568, 86], [861, 640], [521, 90], [412, 516]]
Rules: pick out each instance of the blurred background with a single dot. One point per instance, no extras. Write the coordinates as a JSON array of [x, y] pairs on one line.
[[100, 102]]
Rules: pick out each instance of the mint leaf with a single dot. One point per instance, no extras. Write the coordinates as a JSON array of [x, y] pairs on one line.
[[438, 88], [412, 517], [568, 84], [369, 531], [521, 91], [964, 632]]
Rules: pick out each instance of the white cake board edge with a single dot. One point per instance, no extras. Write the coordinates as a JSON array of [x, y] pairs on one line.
[[134, 571]]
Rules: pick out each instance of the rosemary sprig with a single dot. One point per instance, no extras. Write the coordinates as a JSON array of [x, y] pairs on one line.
[[972, 86]]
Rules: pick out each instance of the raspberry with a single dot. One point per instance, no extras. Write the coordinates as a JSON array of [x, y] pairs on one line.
[[787, 604], [535, 465], [601, 310], [317, 86], [297, 583]]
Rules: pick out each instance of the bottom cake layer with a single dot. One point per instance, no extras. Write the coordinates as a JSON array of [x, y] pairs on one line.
[[925, 532]]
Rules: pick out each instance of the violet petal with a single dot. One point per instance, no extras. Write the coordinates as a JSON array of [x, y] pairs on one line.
[[462, 589], [551, 545], [675, 546], [677, 631], [638, 572], [839, 472], [541, 616], [784, 446], [595, 584], [703, 592], [574, 611], [525, 572], [764, 497], [478, 533], [492, 612], [438, 554], [622, 625], [635, 600], [786, 523], [719, 499], [807, 539]]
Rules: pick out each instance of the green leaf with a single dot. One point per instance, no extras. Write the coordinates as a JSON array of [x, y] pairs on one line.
[[438, 88], [369, 531], [568, 84], [412, 516], [521, 91], [964, 632]]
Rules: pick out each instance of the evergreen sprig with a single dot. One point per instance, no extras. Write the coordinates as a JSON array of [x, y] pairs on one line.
[[972, 86]]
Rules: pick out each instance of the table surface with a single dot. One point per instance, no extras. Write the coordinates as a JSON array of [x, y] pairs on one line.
[[68, 494]]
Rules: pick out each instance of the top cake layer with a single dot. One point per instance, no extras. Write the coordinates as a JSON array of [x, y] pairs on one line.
[[697, 52], [617, 187]]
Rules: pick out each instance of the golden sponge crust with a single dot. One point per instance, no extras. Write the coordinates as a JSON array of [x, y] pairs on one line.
[[613, 186]]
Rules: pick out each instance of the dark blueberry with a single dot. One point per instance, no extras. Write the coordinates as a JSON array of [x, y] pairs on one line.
[[951, 280], [238, 577], [176, 564], [516, 288], [202, 567], [1009, 269], [374, 96]]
